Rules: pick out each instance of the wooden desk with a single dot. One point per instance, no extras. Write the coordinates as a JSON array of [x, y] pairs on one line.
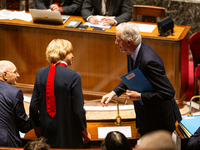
[[92, 127], [97, 58]]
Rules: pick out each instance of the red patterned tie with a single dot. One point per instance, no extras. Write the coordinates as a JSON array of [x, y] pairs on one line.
[[50, 95]]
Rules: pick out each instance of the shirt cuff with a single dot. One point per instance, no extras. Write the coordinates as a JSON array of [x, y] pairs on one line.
[[115, 22], [89, 18]]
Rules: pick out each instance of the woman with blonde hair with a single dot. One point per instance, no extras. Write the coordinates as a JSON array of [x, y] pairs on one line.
[[57, 102]]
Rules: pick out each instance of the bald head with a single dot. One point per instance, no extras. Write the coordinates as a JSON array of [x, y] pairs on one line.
[[157, 140], [5, 65], [8, 72]]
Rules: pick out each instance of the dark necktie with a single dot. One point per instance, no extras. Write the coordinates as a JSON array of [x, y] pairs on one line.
[[50, 95], [131, 63]]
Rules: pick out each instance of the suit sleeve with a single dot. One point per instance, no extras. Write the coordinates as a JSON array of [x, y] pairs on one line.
[[87, 8], [23, 122], [126, 12], [75, 7], [40, 4], [78, 102], [194, 141]]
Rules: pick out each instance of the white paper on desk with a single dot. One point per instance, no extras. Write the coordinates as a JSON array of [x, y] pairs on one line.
[[145, 27], [103, 131], [21, 15], [6, 14], [99, 25]]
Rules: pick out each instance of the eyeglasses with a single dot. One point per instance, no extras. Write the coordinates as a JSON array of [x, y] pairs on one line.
[[15, 72]]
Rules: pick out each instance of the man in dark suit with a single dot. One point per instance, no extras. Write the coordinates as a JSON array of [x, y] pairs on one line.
[[13, 117], [57, 101], [66, 7], [120, 9], [158, 109], [194, 141]]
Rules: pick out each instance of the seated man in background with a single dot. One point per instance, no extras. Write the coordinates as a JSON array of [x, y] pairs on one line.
[[13, 117], [121, 10], [66, 7]]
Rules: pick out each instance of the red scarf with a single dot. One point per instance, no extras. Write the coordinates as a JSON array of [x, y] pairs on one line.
[[50, 95]]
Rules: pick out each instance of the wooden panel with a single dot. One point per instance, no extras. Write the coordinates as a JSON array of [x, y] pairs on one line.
[[97, 58], [92, 128]]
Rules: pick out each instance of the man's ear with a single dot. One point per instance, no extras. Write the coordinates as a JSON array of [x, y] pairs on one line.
[[4, 75], [129, 42]]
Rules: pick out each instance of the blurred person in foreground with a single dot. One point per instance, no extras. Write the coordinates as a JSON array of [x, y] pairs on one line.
[[157, 140], [13, 117], [37, 144], [57, 101], [115, 140]]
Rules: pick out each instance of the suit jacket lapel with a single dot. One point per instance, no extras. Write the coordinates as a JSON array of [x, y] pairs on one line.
[[138, 59]]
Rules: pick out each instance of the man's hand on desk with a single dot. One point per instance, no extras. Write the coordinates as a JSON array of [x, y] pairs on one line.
[[107, 98], [107, 21], [93, 20], [54, 7]]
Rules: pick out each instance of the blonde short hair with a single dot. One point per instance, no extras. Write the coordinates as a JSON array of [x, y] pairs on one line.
[[57, 50]]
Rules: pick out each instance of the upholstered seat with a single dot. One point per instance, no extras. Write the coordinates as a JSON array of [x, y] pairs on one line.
[[195, 49]]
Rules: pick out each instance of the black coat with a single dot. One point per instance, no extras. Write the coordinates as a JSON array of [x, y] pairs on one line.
[[64, 129]]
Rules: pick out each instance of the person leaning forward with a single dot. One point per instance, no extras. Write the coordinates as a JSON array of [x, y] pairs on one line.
[[57, 101], [159, 109], [13, 117]]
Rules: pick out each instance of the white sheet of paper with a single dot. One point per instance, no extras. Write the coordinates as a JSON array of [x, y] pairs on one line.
[[145, 27], [21, 15], [103, 131]]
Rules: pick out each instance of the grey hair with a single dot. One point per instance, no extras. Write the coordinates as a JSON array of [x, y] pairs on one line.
[[4, 66], [130, 32]]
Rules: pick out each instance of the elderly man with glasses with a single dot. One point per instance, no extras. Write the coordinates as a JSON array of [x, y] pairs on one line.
[[13, 117]]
